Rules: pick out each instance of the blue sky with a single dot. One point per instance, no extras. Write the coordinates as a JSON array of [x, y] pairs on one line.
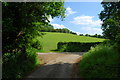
[[82, 18]]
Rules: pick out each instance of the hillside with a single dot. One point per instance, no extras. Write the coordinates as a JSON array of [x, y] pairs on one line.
[[50, 39]]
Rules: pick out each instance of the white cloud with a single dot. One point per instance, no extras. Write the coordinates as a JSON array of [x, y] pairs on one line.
[[92, 31], [69, 11], [86, 21], [58, 26], [50, 19]]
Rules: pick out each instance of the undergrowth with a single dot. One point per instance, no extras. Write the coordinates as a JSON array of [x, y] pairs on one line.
[[100, 62]]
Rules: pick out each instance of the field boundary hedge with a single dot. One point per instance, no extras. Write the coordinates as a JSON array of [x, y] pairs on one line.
[[75, 46]]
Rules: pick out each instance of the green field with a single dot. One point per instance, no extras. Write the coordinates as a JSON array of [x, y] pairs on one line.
[[50, 39]]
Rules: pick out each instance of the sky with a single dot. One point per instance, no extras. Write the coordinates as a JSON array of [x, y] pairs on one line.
[[81, 17]]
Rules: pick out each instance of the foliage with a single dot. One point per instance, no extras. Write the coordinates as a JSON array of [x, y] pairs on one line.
[[45, 27], [16, 65], [18, 18], [50, 40], [100, 62], [20, 32], [112, 43], [36, 44], [50, 28], [111, 23], [75, 46], [96, 35], [64, 30]]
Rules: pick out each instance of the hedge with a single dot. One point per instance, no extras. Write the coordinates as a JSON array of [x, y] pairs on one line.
[[75, 46]]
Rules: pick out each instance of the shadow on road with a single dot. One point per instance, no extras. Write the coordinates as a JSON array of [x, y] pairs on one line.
[[57, 65], [59, 70]]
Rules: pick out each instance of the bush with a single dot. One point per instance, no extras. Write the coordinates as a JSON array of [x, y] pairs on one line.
[[116, 45], [36, 44], [75, 46], [21, 59], [100, 62], [17, 65]]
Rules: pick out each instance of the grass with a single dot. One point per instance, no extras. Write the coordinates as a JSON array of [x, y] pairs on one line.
[[100, 62], [50, 39]]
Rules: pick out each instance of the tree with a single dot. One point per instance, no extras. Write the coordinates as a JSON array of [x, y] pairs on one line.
[[74, 33], [87, 35], [111, 20], [19, 21], [19, 16], [65, 30], [81, 35]]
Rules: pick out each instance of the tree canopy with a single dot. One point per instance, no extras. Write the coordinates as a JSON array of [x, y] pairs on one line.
[[111, 20]]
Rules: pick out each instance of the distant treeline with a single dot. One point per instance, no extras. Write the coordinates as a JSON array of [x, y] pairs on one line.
[[96, 35], [50, 28]]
